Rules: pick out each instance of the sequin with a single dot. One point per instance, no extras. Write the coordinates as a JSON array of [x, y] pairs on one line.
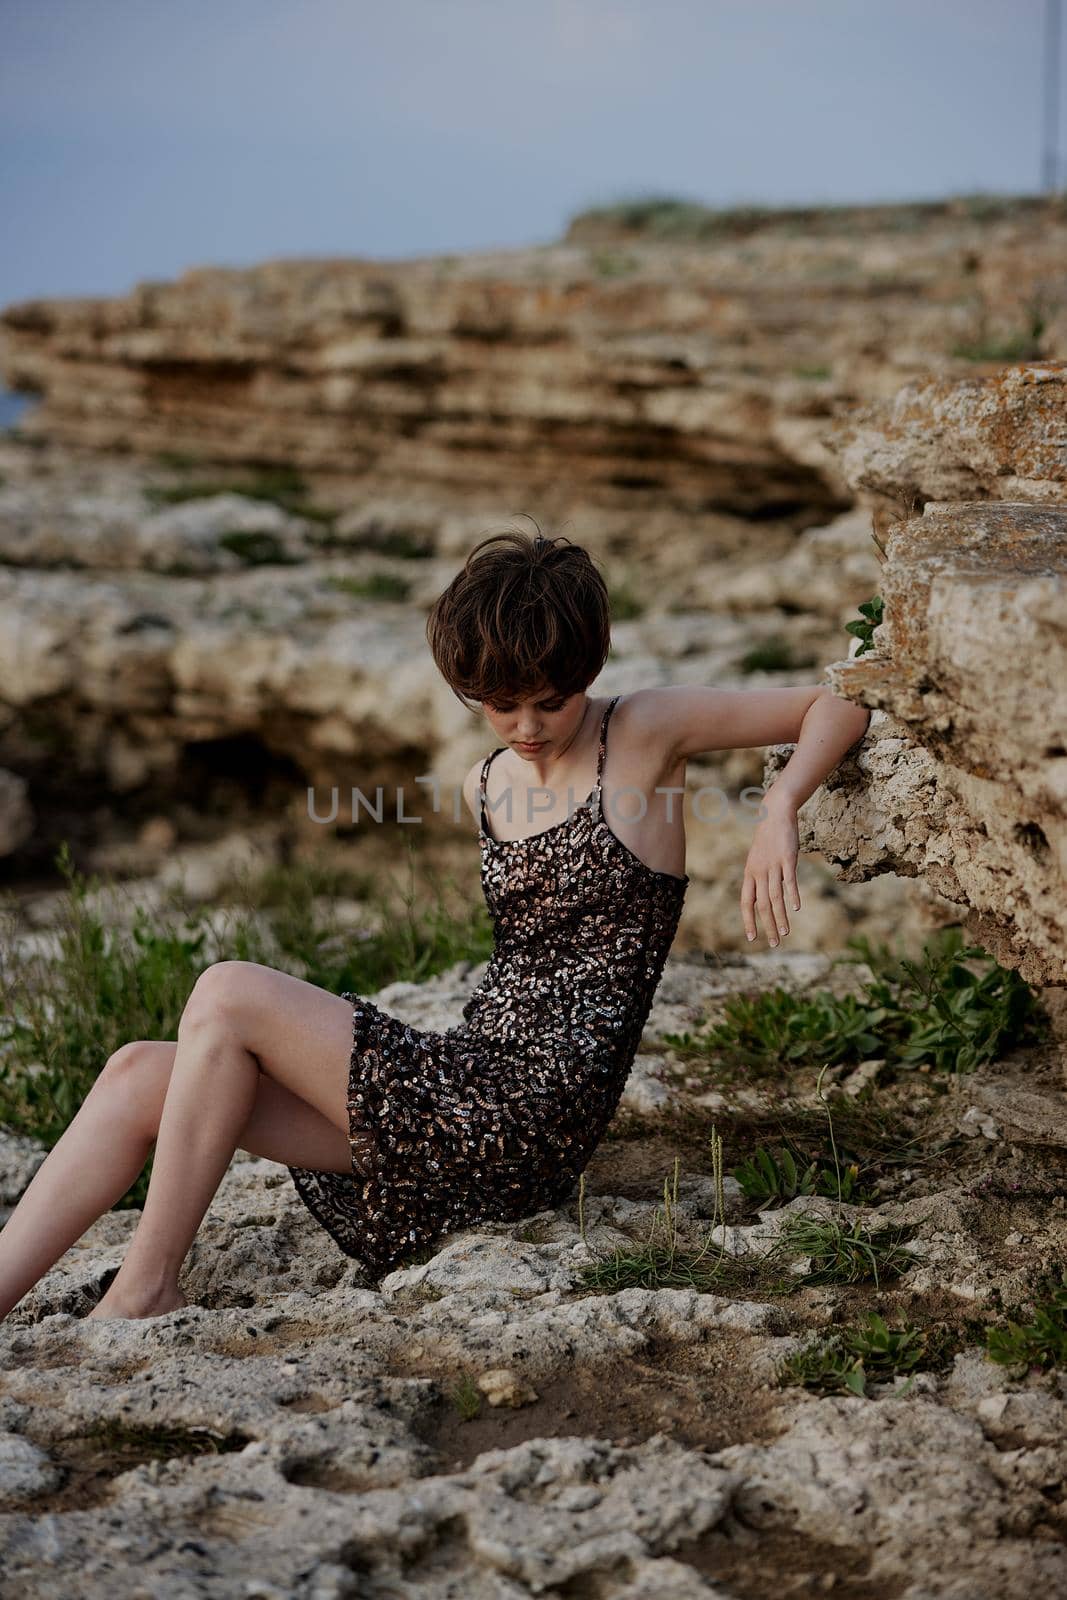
[[495, 1118]]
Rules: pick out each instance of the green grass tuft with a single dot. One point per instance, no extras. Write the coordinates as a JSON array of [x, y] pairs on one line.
[[938, 1012], [843, 1252], [467, 1398]]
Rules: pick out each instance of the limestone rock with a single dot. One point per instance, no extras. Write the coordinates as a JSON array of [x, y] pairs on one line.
[[962, 776], [996, 436]]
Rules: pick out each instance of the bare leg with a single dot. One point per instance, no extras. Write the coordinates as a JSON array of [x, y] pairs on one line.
[[101, 1153], [85, 1173], [240, 1018]]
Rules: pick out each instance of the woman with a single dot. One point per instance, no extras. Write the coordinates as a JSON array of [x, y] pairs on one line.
[[394, 1135]]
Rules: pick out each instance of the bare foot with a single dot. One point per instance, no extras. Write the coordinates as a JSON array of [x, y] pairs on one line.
[[118, 1305]]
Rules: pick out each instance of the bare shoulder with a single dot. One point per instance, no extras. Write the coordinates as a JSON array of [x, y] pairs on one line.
[[640, 715], [470, 789], [644, 729]]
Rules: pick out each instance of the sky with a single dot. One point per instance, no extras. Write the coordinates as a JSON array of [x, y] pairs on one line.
[[140, 137]]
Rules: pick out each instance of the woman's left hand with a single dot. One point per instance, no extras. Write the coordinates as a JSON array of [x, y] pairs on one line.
[[771, 871]]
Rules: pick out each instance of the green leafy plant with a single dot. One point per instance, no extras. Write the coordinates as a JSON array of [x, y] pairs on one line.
[[767, 1178], [937, 1012], [774, 1179], [1041, 1340], [851, 1358], [951, 1016], [872, 612], [778, 1028]]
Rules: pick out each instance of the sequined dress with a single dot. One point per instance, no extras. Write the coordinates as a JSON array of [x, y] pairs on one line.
[[496, 1117]]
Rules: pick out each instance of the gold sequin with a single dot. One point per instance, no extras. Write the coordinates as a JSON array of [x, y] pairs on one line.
[[495, 1118]]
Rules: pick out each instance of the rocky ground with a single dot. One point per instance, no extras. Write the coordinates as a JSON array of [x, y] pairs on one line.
[[487, 1422]]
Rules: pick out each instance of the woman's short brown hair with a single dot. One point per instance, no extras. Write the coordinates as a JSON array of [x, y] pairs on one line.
[[526, 613]]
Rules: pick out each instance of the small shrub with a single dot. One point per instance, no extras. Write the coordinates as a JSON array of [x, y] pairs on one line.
[[950, 1016], [1041, 1341], [280, 486], [613, 263], [853, 1357], [1022, 345], [664, 216], [392, 542]]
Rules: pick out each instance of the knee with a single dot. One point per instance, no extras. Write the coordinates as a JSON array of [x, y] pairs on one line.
[[135, 1076], [218, 996], [128, 1061]]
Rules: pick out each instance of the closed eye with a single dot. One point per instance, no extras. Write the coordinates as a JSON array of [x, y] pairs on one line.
[[545, 706]]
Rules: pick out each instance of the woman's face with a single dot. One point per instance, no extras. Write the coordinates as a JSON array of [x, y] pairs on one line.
[[548, 720]]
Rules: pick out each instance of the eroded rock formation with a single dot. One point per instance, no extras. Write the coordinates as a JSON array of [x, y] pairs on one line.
[[695, 377], [962, 777]]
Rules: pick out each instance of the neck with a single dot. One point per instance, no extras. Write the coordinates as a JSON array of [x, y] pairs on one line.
[[544, 770]]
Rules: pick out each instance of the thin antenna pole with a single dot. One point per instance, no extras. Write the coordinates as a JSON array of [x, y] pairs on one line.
[[1050, 163]]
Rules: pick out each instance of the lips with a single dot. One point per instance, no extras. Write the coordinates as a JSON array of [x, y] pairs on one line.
[[531, 747]]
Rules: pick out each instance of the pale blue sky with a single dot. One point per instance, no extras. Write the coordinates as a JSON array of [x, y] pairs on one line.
[[139, 137]]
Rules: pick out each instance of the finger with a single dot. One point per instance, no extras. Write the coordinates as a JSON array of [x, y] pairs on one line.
[[748, 900], [778, 903], [794, 892], [763, 904]]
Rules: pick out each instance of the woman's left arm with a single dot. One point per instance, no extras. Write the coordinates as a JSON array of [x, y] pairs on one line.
[[830, 728]]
